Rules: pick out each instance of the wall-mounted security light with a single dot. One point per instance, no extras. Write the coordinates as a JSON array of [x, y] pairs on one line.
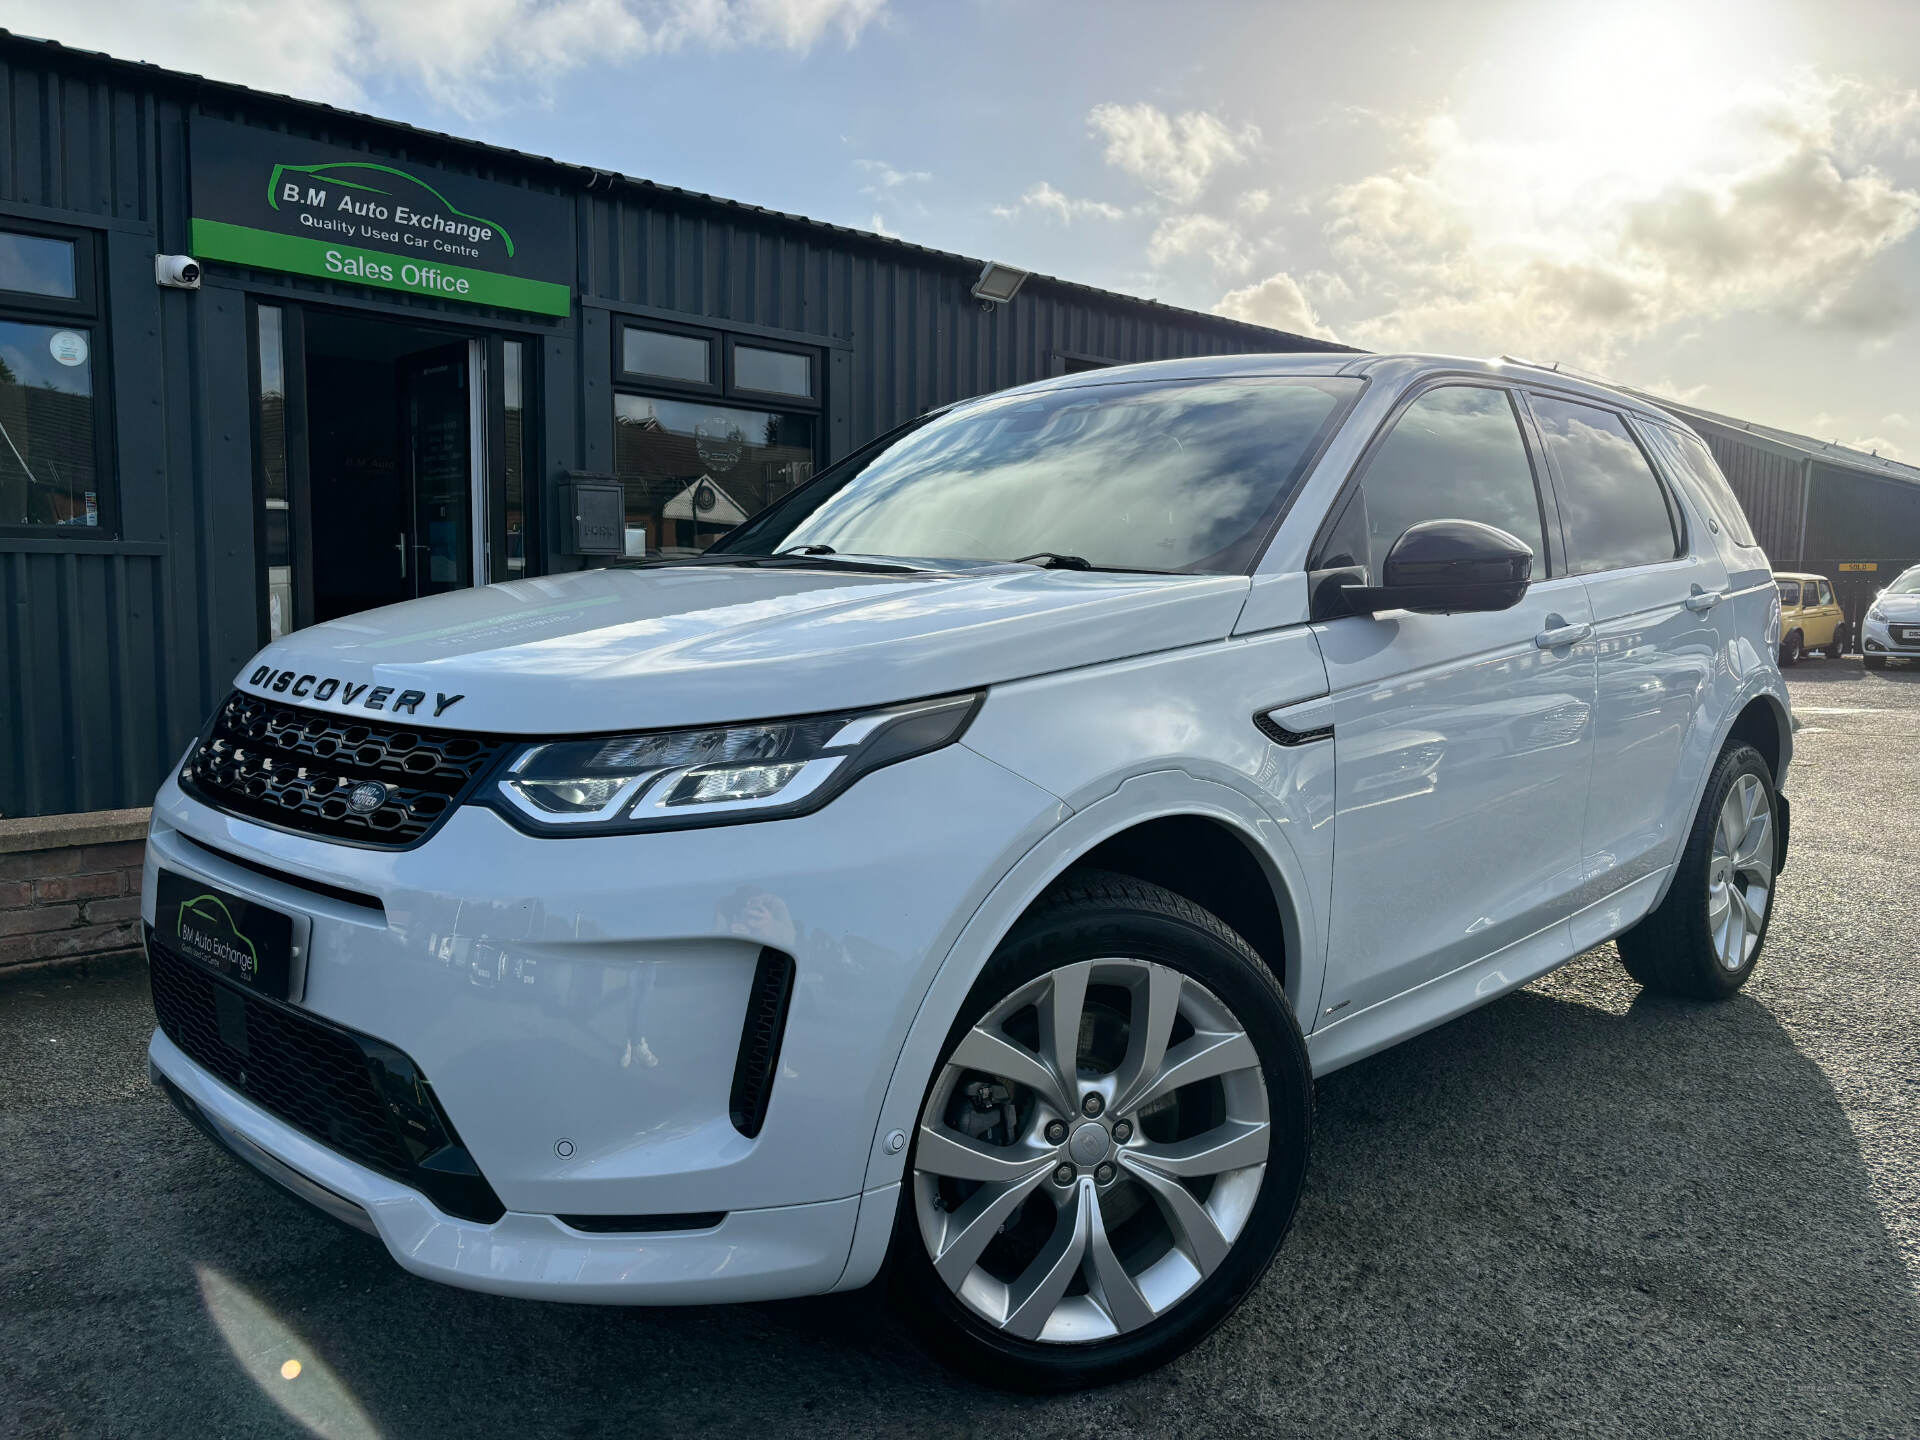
[[997, 284], [177, 272]]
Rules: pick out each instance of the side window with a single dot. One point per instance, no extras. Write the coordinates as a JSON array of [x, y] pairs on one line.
[[1454, 454], [1699, 461], [1789, 594], [1826, 593], [1614, 510]]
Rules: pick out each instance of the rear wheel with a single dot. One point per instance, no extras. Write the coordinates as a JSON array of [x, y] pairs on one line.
[[1790, 649], [1704, 939], [1838, 649], [1112, 1147]]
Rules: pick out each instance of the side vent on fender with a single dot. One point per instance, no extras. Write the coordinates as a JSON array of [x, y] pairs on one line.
[[760, 1036], [1281, 735]]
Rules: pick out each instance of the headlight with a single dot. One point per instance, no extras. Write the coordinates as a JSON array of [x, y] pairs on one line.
[[715, 774], [1874, 612]]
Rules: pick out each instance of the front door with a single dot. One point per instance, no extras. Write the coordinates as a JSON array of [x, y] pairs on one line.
[[1462, 743]]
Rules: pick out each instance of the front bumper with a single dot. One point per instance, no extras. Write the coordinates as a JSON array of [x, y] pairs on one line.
[[1876, 638], [578, 1005], [750, 1255]]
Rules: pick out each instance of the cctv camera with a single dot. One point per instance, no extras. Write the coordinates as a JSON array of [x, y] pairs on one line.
[[181, 272]]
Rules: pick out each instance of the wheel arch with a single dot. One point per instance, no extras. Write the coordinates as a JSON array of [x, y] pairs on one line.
[[1133, 824]]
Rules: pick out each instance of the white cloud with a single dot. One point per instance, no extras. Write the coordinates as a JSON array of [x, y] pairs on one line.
[[885, 177], [1218, 240], [467, 54], [1042, 199], [1770, 203], [1277, 301], [878, 225], [1881, 446], [1172, 155], [1254, 202]]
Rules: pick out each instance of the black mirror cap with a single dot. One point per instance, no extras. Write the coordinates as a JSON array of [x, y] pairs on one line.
[[1447, 567]]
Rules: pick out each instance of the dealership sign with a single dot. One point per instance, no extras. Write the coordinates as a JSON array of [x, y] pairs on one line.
[[277, 202]]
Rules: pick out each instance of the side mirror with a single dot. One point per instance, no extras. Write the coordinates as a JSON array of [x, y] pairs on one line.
[[1444, 567]]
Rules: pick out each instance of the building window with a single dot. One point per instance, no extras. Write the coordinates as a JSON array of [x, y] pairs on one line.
[[693, 470], [52, 416], [38, 265], [772, 372], [708, 429], [667, 355]]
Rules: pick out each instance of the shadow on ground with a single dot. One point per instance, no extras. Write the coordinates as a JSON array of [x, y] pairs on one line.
[[1576, 1210]]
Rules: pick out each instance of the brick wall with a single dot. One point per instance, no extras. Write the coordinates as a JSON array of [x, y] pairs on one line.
[[70, 887]]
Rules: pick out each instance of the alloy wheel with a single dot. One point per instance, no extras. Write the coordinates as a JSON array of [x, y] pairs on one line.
[[1091, 1150], [1740, 871]]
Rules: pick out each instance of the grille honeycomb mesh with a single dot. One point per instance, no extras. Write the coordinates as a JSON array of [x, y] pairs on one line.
[[298, 768]]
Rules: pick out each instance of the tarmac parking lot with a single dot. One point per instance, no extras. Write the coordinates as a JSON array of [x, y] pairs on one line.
[[1577, 1211]]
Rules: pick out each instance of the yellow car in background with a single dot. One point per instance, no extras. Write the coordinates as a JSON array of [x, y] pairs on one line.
[[1810, 617]]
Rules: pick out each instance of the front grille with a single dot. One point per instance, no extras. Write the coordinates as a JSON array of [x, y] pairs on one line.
[[299, 769], [352, 1093]]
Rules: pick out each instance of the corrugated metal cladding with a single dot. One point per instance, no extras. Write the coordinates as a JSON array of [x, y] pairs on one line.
[[1771, 487], [113, 650], [1857, 517]]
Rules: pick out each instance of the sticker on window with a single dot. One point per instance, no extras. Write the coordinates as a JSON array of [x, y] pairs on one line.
[[69, 347]]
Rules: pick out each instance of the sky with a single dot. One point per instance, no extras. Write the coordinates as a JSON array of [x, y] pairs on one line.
[[1719, 202]]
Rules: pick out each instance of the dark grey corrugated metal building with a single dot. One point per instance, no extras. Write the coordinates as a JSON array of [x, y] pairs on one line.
[[402, 346], [1818, 507]]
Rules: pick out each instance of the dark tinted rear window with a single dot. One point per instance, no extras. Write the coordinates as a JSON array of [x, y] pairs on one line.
[[1612, 506]]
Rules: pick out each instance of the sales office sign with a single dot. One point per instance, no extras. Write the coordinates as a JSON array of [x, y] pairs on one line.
[[276, 202]]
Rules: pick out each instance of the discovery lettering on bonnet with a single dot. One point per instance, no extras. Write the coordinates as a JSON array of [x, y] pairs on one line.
[[323, 688]]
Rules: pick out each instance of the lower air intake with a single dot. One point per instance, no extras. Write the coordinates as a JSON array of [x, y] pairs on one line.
[[759, 1056]]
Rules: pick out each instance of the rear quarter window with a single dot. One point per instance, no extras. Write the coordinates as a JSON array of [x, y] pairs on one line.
[[1699, 463]]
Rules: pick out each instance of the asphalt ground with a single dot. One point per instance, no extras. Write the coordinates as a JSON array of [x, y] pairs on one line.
[[1577, 1211]]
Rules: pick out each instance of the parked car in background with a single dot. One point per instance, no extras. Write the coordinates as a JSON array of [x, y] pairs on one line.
[[967, 864], [1811, 619], [1891, 630]]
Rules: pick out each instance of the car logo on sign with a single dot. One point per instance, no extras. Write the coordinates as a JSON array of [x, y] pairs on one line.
[[367, 797]]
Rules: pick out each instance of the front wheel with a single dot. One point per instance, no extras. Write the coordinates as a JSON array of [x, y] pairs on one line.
[[1704, 939], [1112, 1147]]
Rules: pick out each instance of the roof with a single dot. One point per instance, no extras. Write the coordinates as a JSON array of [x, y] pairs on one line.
[[592, 177]]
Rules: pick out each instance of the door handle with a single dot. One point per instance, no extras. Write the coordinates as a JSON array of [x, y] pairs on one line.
[[1701, 601], [1559, 632], [401, 546]]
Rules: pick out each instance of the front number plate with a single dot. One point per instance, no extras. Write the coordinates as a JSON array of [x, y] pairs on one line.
[[242, 940]]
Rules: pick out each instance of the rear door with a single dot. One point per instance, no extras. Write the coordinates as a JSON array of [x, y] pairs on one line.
[[1653, 585], [1461, 742]]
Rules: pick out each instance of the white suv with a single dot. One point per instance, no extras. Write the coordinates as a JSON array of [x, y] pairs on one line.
[[969, 862]]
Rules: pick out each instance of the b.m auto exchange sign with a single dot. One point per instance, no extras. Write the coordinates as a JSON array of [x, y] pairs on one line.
[[276, 202]]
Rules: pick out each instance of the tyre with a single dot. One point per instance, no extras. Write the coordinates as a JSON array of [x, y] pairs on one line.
[[1704, 939], [1790, 649], [1838, 649], [1874, 662], [1111, 1148]]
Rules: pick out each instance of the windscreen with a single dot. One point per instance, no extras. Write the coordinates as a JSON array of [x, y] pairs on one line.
[[1144, 475], [1907, 584]]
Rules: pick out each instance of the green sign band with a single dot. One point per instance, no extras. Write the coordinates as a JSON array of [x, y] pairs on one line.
[[411, 274]]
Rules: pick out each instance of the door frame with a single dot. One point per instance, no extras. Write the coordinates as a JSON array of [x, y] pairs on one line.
[[486, 420]]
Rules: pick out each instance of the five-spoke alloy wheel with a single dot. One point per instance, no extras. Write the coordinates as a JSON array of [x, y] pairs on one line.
[[1112, 1146]]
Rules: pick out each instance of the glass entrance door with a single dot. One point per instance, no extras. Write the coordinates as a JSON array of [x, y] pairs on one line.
[[376, 447], [437, 447]]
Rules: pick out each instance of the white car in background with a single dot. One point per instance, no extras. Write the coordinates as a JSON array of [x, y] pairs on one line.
[[1891, 630], [968, 864]]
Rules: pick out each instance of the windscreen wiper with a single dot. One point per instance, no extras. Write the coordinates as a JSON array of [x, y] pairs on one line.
[[787, 560], [1054, 560]]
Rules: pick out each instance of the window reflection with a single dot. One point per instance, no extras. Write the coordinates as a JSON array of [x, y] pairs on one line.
[[47, 423], [1613, 509], [692, 471], [272, 392], [1147, 475], [1455, 454]]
